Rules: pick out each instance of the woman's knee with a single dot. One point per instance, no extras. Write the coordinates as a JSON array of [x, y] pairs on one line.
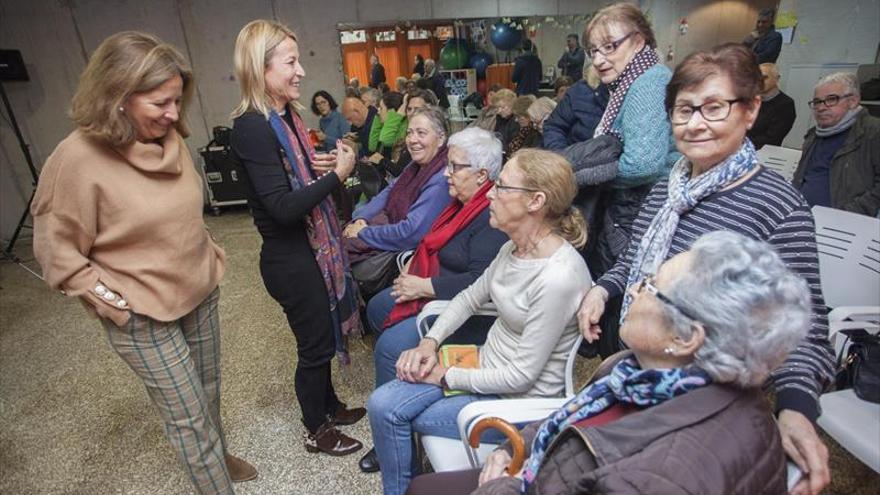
[[378, 309]]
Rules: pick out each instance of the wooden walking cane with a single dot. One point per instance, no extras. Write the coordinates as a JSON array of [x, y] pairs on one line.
[[512, 434]]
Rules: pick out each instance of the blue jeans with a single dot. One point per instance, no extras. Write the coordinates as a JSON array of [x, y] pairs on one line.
[[397, 409], [392, 341], [404, 335]]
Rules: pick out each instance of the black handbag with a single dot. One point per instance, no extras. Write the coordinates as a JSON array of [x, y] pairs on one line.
[[375, 273], [860, 369]]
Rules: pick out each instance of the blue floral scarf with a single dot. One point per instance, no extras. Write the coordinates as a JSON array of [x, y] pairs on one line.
[[627, 383]]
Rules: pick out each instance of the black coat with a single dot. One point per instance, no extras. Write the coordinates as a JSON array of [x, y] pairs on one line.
[[527, 74], [377, 75], [775, 119]]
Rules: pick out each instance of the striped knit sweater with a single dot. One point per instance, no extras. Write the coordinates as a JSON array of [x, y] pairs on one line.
[[764, 207]]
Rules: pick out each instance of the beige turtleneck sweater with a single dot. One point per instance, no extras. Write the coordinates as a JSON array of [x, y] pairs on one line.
[[122, 229]]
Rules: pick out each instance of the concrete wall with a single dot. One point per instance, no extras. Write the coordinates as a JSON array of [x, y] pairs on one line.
[[56, 37]]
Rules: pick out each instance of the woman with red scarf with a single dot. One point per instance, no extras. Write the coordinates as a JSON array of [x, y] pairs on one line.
[[454, 253]]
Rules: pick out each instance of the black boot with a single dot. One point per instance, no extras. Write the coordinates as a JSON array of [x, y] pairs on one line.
[[369, 463]]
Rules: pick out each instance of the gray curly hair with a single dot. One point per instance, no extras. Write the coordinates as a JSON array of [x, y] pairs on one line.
[[753, 308]]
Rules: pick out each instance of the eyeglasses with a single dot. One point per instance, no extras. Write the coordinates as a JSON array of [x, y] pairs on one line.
[[829, 101], [608, 48], [455, 167], [647, 283], [501, 188], [712, 111]]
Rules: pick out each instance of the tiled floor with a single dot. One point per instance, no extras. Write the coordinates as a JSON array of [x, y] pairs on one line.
[[74, 419]]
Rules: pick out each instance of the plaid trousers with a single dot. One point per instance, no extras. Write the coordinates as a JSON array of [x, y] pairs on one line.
[[179, 363]]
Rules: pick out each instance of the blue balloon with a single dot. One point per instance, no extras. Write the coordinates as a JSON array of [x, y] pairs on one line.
[[480, 61], [505, 37]]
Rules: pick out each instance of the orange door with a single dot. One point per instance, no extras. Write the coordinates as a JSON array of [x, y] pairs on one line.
[[355, 62], [389, 57]]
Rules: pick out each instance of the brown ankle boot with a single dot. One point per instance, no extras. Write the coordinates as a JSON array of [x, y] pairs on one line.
[[331, 441], [239, 469], [345, 416]]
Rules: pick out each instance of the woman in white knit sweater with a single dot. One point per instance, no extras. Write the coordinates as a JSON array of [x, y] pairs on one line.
[[536, 282]]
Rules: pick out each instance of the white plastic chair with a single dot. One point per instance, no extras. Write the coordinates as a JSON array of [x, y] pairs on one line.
[[403, 258], [849, 269], [783, 161], [447, 454], [854, 423]]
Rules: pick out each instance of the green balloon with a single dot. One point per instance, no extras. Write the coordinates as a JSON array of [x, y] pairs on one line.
[[454, 55]]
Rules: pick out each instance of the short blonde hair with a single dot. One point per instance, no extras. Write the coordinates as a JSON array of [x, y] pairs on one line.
[[502, 94], [621, 13], [541, 108], [591, 75], [253, 50], [124, 64], [552, 174], [521, 105]]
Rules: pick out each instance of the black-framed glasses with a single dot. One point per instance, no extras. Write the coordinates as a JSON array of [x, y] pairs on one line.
[[455, 167], [501, 188], [647, 283], [829, 101], [608, 48], [712, 111]]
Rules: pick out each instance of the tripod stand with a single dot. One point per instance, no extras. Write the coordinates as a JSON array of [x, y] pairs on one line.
[[7, 251]]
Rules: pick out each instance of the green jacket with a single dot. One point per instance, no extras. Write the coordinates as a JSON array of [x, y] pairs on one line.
[[855, 168], [386, 134]]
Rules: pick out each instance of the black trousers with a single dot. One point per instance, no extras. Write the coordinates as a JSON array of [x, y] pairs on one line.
[[296, 283]]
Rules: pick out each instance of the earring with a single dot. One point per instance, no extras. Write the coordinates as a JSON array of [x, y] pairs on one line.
[[669, 350], [121, 110]]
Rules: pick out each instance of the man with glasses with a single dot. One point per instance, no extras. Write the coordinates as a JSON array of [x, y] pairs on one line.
[[840, 165], [777, 114]]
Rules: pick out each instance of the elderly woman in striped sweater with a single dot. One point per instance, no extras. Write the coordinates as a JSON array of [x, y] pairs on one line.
[[719, 184]]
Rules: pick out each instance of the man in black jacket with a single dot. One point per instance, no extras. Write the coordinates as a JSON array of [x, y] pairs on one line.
[[572, 61], [777, 113], [377, 72], [434, 82], [527, 70]]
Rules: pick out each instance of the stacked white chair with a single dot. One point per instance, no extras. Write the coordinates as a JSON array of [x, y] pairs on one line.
[[783, 161], [849, 267]]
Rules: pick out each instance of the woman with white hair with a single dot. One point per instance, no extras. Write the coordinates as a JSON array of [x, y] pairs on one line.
[[457, 250], [682, 411]]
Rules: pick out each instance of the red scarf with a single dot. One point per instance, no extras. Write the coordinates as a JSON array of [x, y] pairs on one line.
[[426, 260]]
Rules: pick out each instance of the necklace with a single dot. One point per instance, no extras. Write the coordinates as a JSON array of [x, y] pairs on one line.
[[533, 247]]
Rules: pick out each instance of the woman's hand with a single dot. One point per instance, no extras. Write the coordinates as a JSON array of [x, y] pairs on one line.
[[435, 375], [402, 108], [345, 160], [495, 467], [324, 162], [415, 364], [592, 308], [409, 287], [352, 229], [805, 448]]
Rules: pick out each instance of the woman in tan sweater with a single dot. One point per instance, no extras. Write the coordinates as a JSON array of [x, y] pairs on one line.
[[118, 224]]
